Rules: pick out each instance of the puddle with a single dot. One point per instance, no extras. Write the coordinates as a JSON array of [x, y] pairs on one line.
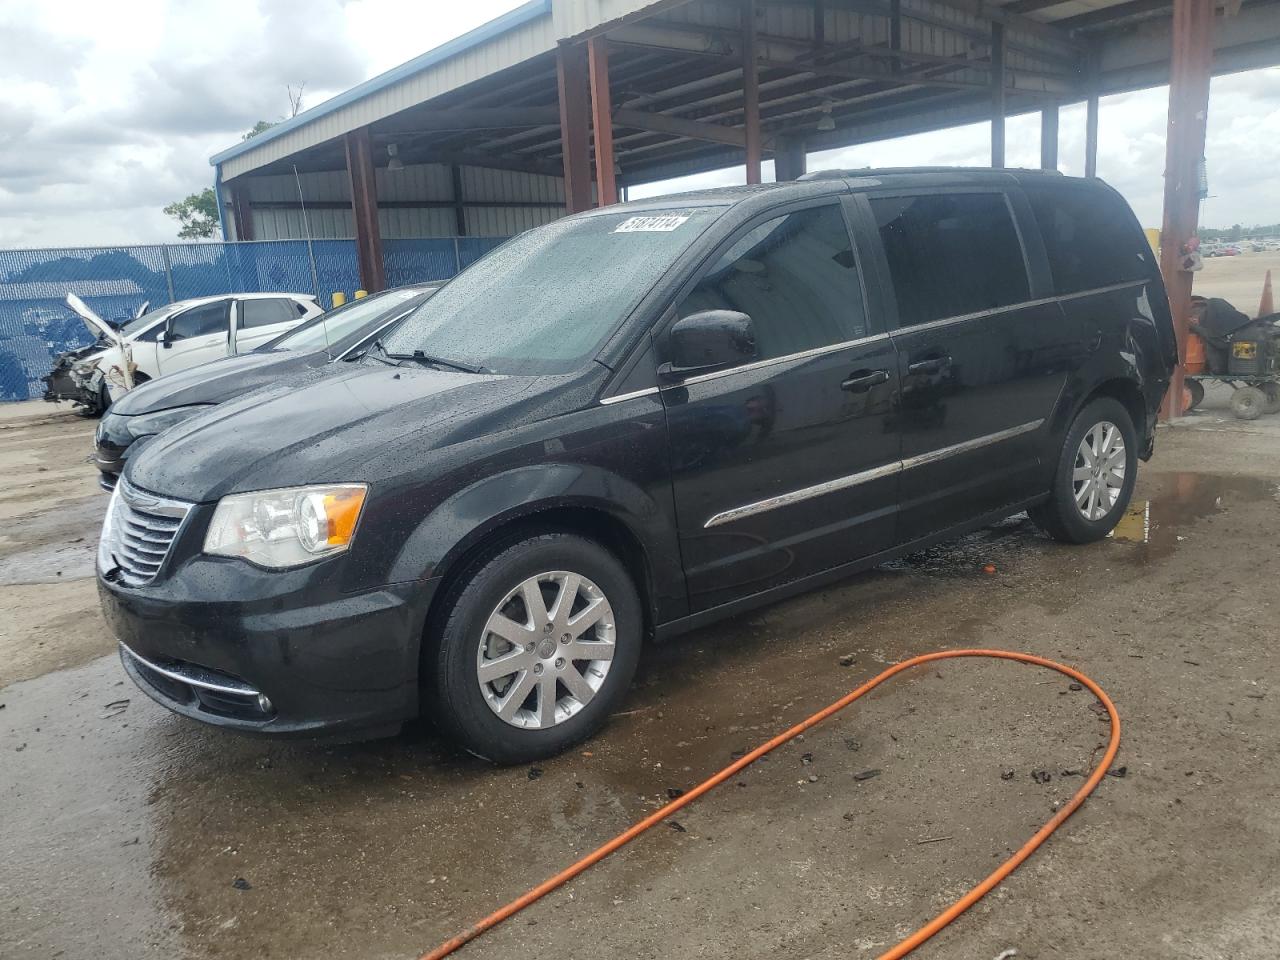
[[1157, 526]]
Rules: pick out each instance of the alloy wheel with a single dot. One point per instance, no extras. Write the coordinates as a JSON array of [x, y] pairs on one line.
[[1100, 465], [546, 650]]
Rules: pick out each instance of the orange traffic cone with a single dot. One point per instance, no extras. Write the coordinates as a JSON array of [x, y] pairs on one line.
[[1267, 306]]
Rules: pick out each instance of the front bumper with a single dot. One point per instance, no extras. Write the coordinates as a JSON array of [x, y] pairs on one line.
[[289, 656]]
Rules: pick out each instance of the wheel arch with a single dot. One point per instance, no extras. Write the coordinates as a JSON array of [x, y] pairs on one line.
[[593, 503]]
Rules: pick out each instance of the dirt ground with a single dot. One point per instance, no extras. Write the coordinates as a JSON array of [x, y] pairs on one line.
[[126, 832], [1239, 279]]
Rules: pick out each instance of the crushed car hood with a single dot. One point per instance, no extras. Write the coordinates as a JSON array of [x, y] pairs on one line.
[[96, 326], [215, 382], [338, 423]]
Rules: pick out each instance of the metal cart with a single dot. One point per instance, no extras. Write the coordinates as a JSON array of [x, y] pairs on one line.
[[1253, 396]]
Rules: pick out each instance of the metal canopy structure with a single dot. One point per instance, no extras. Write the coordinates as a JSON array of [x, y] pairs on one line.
[[571, 99]]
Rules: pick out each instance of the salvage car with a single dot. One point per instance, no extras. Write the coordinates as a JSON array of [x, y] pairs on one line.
[[338, 335], [170, 338], [631, 422]]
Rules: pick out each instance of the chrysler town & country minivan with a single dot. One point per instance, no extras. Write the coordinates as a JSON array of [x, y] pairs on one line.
[[631, 422]]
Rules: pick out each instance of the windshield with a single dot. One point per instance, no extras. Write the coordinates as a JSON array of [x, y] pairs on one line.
[[544, 301], [328, 328], [151, 316]]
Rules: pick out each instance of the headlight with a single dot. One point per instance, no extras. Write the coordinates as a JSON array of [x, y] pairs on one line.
[[149, 424], [286, 528], [84, 368]]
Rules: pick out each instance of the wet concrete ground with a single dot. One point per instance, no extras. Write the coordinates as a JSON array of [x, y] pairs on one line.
[[128, 832]]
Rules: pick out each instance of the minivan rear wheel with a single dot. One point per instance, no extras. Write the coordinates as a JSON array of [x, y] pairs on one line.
[[1094, 477], [537, 645]]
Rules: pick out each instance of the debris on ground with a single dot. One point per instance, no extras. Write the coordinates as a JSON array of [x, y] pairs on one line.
[[866, 775], [1041, 776], [813, 778], [1006, 954], [1006, 774], [848, 660], [535, 773], [674, 793], [677, 826], [114, 709], [1075, 686], [932, 840], [852, 744], [240, 883], [806, 758], [1118, 772]]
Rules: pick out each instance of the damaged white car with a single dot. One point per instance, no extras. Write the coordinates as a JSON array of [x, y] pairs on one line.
[[170, 338]]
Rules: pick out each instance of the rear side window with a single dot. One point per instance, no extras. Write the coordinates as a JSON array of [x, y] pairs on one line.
[[1090, 239], [264, 313], [199, 321], [951, 254], [796, 277]]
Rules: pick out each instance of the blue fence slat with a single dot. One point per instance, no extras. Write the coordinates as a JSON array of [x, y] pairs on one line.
[[36, 325]]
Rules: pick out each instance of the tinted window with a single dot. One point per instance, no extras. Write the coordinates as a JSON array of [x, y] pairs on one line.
[[263, 313], [796, 277], [545, 301], [951, 254], [199, 321], [328, 328], [1090, 238]]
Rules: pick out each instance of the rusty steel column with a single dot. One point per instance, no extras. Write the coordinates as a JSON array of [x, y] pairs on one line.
[[1049, 138], [241, 211], [997, 94], [575, 145], [1189, 70], [751, 92], [364, 209], [602, 120]]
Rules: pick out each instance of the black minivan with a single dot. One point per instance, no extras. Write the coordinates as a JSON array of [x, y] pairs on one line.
[[631, 422]]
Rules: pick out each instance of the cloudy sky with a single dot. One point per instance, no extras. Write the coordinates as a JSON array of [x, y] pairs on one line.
[[105, 118]]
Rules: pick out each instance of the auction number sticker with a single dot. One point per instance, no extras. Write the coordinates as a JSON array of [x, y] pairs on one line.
[[662, 224]]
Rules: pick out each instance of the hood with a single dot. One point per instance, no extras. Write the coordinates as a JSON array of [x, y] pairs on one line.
[[215, 382], [337, 423], [96, 326]]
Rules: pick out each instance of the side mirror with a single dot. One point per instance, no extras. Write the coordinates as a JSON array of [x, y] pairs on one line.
[[709, 340], [165, 339]]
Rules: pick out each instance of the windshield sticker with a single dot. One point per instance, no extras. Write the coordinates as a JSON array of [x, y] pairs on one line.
[[662, 224]]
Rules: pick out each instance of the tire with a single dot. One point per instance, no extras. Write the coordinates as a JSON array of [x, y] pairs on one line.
[[490, 593], [1272, 392], [1248, 403], [1060, 516], [1195, 394]]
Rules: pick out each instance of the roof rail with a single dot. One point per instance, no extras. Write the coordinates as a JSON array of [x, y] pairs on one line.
[[837, 174]]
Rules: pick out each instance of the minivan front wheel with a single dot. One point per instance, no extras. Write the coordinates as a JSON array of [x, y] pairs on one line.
[[538, 644], [1095, 474]]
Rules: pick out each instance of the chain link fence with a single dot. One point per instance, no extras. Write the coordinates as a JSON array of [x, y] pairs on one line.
[[36, 325]]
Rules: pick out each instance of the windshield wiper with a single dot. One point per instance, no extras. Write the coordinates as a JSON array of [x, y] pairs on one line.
[[380, 354], [419, 356]]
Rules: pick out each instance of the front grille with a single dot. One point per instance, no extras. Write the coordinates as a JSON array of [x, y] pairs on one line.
[[138, 534]]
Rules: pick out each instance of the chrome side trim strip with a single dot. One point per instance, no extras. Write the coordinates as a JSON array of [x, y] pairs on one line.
[[803, 355], [807, 493], [866, 476], [933, 456], [647, 391], [194, 676], [996, 311]]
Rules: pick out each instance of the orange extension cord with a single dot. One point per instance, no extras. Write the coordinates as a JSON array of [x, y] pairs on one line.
[[925, 932]]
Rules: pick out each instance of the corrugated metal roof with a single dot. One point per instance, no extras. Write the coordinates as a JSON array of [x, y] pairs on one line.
[[310, 119]]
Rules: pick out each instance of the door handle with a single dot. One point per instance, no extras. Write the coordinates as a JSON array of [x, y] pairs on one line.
[[865, 380], [932, 365]]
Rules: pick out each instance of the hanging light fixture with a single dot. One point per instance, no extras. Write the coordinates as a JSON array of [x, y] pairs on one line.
[[827, 122], [393, 151]]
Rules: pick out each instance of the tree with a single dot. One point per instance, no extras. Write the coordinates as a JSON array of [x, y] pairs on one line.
[[198, 215], [259, 127]]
